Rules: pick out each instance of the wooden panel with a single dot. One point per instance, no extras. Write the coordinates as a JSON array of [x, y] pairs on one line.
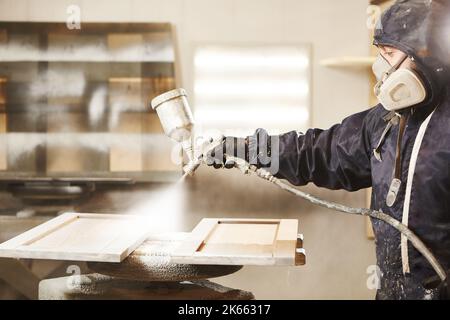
[[80, 236], [200, 232], [284, 244], [241, 242]]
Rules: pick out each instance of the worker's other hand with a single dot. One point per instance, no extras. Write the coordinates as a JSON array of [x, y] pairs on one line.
[[254, 149]]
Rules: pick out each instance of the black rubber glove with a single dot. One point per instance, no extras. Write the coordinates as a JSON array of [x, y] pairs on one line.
[[254, 149]]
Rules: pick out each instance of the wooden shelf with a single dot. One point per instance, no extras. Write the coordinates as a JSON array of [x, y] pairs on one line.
[[348, 62]]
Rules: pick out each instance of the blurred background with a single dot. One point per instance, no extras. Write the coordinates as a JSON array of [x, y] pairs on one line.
[[77, 133]]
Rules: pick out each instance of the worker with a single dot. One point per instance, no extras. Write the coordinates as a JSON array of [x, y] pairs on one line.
[[400, 148]]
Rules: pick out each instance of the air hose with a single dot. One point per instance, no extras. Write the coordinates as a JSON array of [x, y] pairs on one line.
[[246, 168], [177, 121]]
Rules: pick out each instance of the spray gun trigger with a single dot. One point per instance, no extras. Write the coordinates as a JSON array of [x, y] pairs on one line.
[[240, 164], [201, 150], [229, 163]]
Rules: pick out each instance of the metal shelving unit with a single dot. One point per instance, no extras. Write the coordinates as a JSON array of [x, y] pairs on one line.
[[74, 103]]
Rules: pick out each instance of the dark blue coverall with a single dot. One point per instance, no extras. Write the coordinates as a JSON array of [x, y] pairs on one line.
[[343, 157]]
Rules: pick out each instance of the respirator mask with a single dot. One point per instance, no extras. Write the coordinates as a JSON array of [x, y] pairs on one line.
[[397, 88]]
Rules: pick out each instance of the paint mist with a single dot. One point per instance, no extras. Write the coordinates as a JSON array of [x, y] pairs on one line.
[[164, 208]]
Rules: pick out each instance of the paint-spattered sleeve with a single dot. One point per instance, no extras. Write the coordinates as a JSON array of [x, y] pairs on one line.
[[337, 158]]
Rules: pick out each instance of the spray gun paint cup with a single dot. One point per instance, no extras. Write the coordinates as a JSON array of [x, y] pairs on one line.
[[177, 121], [176, 117]]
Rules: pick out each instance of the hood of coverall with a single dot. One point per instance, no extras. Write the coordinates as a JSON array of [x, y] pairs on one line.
[[421, 29]]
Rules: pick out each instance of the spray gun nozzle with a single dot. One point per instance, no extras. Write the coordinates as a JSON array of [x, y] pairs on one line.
[[190, 168]]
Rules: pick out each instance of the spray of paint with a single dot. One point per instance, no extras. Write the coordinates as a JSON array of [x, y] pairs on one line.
[[164, 208]]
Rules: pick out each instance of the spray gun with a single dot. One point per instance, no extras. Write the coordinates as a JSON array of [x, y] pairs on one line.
[[177, 121]]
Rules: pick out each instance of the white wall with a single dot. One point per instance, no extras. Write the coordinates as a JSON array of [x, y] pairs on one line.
[[333, 27], [338, 251]]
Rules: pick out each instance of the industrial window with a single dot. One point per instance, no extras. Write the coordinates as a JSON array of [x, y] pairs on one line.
[[241, 88]]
